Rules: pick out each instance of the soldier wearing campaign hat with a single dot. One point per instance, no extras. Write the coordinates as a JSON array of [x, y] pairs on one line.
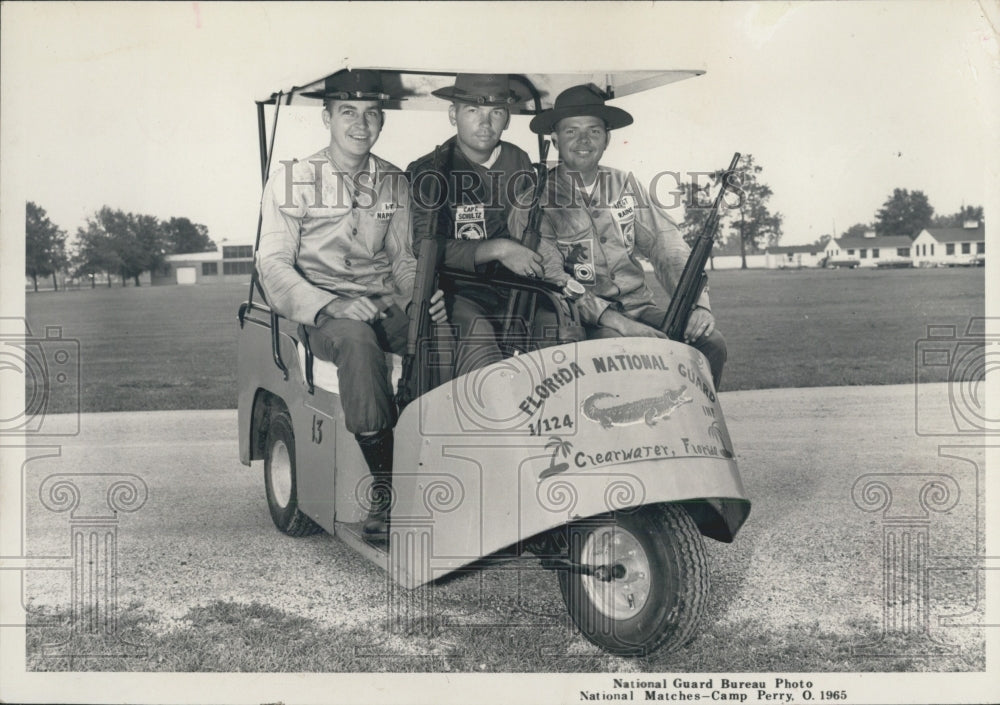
[[336, 256], [478, 170], [596, 221]]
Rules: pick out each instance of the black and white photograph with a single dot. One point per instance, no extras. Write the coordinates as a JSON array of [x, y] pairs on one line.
[[550, 352]]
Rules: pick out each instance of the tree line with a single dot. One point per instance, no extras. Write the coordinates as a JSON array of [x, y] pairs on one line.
[[127, 244], [754, 227], [112, 242], [908, 213]]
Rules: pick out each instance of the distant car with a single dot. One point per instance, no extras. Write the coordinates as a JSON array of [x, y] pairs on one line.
[[895, 264], [973, 261], [849, 263]]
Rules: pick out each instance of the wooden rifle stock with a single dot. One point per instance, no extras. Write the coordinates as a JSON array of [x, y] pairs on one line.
[[693, 278], [531, 235], [430, 254]]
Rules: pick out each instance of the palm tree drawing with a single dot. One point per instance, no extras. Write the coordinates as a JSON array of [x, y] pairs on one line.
[[557, 445], [715, 431]]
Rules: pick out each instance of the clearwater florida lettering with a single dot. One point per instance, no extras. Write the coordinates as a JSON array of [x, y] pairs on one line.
[[616, 456], [657, 407]]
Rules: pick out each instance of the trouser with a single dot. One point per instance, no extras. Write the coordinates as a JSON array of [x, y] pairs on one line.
[[476, 335], [358, 350]]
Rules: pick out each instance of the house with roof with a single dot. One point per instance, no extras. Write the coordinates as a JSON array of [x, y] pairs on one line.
[[937, 247], [231, 263], [795, 256], [871, 250]]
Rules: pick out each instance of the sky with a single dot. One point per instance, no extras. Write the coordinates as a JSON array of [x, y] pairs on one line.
[[149, 107]]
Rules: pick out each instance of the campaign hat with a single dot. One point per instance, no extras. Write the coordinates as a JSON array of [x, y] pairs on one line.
[[578, 101], [357, 84], [480, 89]]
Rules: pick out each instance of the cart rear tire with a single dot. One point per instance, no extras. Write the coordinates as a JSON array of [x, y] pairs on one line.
[[660, 590], [280, 483]]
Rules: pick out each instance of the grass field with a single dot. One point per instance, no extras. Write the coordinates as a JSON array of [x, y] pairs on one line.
[[174, 347]]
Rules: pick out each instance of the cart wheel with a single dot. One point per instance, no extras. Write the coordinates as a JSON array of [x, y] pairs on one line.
[[279, 479], [658, 585]]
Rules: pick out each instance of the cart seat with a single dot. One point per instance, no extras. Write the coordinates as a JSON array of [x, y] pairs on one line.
[[325, 372]]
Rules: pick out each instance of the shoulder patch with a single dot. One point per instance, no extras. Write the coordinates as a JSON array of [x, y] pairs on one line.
[[470, 222]]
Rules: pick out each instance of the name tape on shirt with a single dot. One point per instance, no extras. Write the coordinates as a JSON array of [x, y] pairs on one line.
[[624, 214], [385, 211], [470, 222], [624, 210]]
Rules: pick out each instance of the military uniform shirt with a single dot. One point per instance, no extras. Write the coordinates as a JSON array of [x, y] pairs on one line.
[[478, 198], [322, 240], [596, 240]]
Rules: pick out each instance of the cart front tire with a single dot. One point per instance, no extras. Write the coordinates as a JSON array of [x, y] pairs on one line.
[[658, 586], [280, 482]]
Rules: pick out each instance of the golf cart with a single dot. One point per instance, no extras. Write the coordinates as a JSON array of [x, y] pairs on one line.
[[605, 460]]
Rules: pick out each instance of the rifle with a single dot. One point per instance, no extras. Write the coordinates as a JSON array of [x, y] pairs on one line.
[[531, 235], [430, 254], [521, 304], [693, 278]]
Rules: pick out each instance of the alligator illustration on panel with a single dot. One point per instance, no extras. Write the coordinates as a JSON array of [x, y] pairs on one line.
[[649, 409]]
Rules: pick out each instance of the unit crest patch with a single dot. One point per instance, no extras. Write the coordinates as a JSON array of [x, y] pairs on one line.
[[470, 222]]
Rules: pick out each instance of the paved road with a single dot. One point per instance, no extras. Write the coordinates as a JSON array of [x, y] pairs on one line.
[[807, 554]]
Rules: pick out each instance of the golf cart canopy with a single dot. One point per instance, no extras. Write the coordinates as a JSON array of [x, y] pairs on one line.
[[537, 91]]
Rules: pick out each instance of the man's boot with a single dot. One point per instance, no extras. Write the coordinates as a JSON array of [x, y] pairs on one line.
[[377, 449]]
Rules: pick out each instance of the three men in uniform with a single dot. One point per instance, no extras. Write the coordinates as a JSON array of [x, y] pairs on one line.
[[336, 251]]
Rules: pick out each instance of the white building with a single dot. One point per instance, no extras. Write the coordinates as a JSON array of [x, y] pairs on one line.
[[232, 263], [727, 256], [936, 247], [794, 256], [869, 251], [754, 261]]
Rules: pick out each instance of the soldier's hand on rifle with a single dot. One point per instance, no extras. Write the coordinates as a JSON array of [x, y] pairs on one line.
[[359, 309], [700, 325], [436, 310], [626, 327], [520, 260]]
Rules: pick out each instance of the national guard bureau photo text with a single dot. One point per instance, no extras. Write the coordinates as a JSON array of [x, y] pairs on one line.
[[714, 689]]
